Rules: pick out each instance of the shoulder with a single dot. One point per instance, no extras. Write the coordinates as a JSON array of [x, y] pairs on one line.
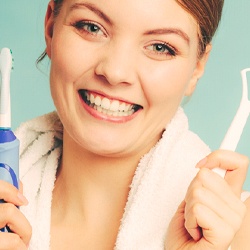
[[242, 240]]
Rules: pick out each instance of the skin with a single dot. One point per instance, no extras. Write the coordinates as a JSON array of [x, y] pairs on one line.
[[119, 61]]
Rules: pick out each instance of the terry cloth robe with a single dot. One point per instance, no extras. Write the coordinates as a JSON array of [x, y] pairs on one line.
[[158, 187]]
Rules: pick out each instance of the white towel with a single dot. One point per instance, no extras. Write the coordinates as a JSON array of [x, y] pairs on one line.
[[158, 186]]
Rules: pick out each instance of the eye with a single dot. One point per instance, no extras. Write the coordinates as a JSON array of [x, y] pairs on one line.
[[89, 27], [162, 49]]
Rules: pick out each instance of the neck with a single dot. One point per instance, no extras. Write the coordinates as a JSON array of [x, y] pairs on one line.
[[85, 168], [87, 180]]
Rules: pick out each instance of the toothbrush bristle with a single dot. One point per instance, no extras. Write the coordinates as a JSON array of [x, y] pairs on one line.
[[13, 61], [6, 61]]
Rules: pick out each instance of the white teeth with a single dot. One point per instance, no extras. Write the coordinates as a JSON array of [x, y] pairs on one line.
[[98, 101], [109, 107], [105, 103], [114, 106], [99, 108], [92, 99], [122, 107], [127, 108], [110, 112]]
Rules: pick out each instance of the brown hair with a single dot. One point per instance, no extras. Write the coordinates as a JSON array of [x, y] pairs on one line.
[[207, 14], [58, 5]]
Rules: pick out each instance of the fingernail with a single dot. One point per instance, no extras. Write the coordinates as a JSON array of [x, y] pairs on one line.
[[201, 163], [22, 198]]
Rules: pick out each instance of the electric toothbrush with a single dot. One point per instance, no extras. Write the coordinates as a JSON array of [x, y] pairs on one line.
[[9, 144], [235, 130]]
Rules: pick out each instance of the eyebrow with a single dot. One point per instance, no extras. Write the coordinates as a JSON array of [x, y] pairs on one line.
[[103, 16], [91, 7], [165, 31]]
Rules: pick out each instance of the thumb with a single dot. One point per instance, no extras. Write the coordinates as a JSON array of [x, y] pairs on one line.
[[235, 164]]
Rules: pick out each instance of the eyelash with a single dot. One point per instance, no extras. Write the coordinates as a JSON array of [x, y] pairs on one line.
[[84, 26], [168, 49]]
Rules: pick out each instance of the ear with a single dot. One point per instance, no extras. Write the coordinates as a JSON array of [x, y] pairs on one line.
[[198, 71], [49, 23]]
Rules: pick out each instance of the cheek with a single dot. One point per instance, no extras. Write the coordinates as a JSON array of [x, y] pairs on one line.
[[167, 84], [69, 53], [63, 74], [72, 57], [63, 60]]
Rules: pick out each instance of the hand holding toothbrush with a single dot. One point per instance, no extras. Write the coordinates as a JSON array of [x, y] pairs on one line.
[[13, 219], [212, 212]]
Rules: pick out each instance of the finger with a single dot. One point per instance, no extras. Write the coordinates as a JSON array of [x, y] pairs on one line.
[[214, 230], [224, 159], [11, 241], [193, 228], [11, 194], [11, 216], [205, 197], [218, 189], [235, 164]]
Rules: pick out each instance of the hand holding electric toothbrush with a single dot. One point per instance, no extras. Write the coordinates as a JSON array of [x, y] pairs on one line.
[[11, 219], [9, 144]]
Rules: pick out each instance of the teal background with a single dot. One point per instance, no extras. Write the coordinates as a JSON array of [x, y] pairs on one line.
[[210, 110]]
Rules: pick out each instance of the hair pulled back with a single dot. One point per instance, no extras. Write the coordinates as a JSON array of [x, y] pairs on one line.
[[207, 14]]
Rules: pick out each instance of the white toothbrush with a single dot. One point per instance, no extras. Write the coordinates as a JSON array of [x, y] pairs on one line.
[[235, 130], [6, 63]]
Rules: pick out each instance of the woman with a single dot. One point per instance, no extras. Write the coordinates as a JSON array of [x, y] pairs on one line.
[[112, 165]]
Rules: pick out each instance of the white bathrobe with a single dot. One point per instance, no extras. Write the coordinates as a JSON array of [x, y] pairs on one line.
[[158, 187]]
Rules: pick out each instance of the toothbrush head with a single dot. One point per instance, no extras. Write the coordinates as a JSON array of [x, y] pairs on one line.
[[6, 62], [245, 91], [6, 65]]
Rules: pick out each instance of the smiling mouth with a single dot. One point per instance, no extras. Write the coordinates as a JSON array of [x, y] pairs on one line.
[[108, 106]]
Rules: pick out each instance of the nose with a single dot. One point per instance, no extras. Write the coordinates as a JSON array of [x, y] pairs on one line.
[[117, 64]]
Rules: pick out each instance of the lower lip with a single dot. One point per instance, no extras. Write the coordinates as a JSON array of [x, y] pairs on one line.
[[103, 117]]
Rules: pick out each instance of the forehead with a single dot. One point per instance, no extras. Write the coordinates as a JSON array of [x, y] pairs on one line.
[[154, 8]]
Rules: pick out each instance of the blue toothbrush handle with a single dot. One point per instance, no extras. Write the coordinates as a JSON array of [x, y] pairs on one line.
[[9, 160]]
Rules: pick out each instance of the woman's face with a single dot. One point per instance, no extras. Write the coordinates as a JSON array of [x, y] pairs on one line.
[[119, 70]]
